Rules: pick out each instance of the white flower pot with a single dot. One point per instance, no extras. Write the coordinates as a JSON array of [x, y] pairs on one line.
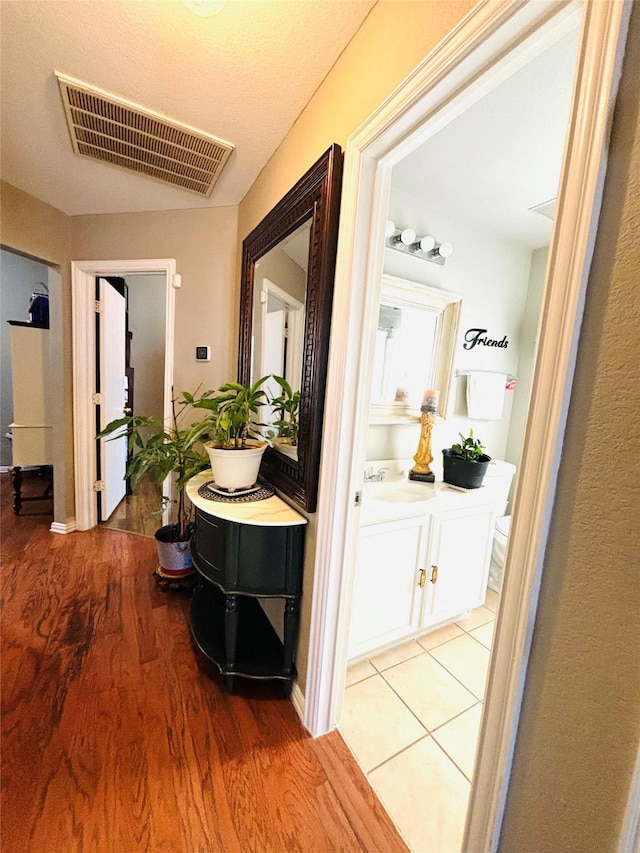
[[236, 469]]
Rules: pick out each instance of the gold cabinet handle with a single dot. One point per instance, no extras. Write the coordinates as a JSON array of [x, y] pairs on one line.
[[423, 578], [434, 574]]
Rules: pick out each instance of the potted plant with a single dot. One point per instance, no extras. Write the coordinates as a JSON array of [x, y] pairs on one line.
[[286, 408], [235, 457], [161, 449], [465, 463]]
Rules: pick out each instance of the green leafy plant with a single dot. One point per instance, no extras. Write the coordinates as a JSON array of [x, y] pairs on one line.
[[286, 407], [231, 410], [469, 448], [160, 449]]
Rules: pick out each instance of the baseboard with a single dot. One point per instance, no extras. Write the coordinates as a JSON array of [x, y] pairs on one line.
[[4, 469], [60, 527], [297, 699]]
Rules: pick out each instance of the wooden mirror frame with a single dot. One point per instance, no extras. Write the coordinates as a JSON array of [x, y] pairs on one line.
[[315, 197]]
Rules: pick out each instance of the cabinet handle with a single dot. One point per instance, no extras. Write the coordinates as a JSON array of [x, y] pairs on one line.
[[434, 574], [423, 578]]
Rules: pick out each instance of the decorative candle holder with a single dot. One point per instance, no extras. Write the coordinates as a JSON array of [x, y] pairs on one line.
[[429, 413]]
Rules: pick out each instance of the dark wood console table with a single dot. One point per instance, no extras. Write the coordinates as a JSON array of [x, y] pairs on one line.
[[245, 552]]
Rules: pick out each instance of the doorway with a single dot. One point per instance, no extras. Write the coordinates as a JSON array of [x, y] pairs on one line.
[[84, 274], [481, 50], [413, 706], [145, 333]]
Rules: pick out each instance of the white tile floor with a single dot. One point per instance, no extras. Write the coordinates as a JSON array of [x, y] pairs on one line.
[[411, 719]]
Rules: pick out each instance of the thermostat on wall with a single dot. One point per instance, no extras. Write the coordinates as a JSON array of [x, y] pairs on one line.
[[203, 353]]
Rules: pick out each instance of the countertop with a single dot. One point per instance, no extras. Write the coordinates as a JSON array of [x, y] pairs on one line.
[[270, 511]]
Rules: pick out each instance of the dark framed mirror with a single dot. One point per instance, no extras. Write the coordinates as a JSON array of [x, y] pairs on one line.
[[288, 267]]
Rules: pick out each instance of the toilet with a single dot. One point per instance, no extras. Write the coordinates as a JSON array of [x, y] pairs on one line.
[[500, 537], [498, 479]]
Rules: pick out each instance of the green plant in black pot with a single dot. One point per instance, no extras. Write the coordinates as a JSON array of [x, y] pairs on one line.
[[469, 448], [465, 463]]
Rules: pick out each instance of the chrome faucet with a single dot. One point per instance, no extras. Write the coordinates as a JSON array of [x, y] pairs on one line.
[[371, 476]]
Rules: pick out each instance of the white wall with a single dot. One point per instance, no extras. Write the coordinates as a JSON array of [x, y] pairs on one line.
[[147, 298], [491, 273], [19, 277], [528, 347]]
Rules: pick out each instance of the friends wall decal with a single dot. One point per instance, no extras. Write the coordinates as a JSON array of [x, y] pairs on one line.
[[478, 337]]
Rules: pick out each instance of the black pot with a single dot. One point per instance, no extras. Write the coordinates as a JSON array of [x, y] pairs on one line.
[[462, 473]]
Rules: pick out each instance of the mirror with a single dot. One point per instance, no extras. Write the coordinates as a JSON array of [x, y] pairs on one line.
[[414, 348], [288, 265]]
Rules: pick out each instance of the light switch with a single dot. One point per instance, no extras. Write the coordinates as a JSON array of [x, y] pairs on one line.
[[203, 353]]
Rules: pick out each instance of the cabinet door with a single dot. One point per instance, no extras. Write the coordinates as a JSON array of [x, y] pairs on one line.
[[386, 593], [458, 562], [209, 546]]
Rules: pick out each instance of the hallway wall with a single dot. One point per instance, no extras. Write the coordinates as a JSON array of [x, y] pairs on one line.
[[34, 228], [580, 726], [367, 71], [19, 277]]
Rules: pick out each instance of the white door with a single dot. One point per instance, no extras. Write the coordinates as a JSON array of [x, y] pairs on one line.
[[112, 378]]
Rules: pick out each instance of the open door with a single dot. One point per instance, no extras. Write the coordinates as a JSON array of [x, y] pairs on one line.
[[111, 385]]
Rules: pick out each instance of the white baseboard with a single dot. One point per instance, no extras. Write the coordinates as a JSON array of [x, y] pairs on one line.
[[297, 698], [59, 527]]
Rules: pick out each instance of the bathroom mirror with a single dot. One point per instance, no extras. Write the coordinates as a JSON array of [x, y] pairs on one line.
[[414, 348], [288, 265]]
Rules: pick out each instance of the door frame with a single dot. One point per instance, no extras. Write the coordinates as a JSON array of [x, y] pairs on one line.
[[439, 89], [83, 275]]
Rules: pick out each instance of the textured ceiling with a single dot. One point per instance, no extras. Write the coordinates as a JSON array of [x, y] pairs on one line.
[[244, 75]]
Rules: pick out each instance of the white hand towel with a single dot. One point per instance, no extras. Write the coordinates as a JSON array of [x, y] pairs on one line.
[[485, 395]]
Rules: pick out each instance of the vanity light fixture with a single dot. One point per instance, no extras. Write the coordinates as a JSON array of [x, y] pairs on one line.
[[405, 237], [444, 250], [204, 8], [424, 244], [421, 247]]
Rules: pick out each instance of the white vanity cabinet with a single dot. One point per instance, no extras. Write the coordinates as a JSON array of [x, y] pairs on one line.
[[458, 562], [386, 593], [421, 571]]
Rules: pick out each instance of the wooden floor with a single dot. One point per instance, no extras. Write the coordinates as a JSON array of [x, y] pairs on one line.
[[117, 738], [138, 513]]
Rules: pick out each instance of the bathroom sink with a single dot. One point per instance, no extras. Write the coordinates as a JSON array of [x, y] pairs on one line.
[[402, 492]]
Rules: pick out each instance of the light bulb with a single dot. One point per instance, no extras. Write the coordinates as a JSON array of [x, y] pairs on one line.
[[406, 237], [445, 250], [389, 229], [424, 244]]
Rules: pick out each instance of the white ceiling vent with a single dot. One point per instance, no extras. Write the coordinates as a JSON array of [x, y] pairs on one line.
[[547, 208], [112, 130]]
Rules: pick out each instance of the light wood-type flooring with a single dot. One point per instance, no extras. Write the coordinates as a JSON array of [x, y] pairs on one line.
[[139, 512], [118, 738]]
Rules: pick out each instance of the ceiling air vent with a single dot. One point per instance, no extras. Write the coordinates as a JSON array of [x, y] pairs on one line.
[[547, 208], [112, 130]]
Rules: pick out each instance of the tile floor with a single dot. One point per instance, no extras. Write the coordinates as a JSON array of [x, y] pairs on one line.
[[411, 719]]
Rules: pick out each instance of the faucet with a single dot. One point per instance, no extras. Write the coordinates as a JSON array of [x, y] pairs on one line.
[[371, 476]]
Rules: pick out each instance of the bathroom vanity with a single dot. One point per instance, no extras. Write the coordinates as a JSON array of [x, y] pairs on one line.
[[245, 553], [422, 560]]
